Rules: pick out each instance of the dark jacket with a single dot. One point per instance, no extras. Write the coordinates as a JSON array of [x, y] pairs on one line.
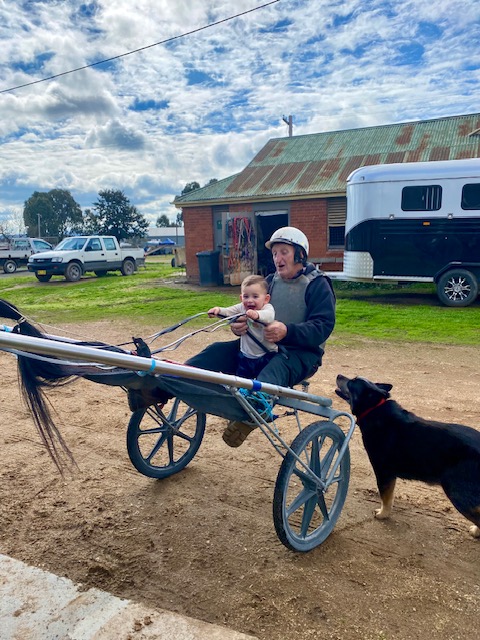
[[319, 318]]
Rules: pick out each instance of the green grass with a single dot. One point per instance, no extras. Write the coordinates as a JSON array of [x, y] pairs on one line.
[[409, 313], [143, 297], [390, 313]]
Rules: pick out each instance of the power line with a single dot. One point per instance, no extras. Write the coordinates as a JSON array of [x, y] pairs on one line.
[[149, 46]]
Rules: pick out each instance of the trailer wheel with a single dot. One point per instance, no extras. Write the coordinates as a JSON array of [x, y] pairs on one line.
[[457, 288], [9, 266]]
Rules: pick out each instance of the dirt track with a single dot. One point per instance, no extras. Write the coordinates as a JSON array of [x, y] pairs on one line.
[[203, 543]]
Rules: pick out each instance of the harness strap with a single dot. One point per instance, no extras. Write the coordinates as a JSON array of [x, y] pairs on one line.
[[258, 343]]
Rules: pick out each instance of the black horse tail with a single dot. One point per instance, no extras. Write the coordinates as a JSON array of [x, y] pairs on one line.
[[34, 376]]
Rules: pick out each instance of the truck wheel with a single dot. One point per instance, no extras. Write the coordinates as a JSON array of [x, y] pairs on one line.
[[9, 266], [73, 272], [43, 278], [128, 267], [457, 288]]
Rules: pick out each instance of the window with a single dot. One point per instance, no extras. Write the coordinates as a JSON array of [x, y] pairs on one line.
[[426, 198], [337, 213], [471, 196], [41, 245], [109, 244], [94, 245]]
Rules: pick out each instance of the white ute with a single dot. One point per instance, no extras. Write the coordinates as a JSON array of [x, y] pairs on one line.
[[16, 251], [75, 256]]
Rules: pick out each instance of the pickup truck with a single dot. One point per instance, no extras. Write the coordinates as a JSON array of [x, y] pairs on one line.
[[74, 256], [16, 251]]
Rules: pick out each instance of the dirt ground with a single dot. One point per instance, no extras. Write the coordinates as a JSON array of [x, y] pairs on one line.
[[203, 543]]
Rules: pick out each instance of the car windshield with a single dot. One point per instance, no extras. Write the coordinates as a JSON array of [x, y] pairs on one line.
[[67, 244], [40, 245]]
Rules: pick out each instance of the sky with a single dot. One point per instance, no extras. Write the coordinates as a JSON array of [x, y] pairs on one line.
[[197, 101]]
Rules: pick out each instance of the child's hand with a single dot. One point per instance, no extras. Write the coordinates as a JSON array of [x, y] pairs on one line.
[[214, 311], [252, 314]]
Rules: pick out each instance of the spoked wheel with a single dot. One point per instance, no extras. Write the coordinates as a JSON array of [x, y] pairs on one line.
[[457, 288], [160, 444], [303, 514]]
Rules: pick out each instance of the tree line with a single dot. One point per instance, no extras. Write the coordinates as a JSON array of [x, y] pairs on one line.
[[163, 220], [56, 214]]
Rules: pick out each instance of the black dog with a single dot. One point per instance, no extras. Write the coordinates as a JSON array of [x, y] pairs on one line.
[[399, 444]]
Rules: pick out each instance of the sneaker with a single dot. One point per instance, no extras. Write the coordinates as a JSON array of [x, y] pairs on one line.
[[236, 433]]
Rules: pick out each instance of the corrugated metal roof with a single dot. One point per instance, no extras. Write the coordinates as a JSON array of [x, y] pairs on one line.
[[319, 164]]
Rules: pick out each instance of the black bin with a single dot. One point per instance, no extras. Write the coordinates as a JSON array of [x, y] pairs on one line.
[[208, 267]]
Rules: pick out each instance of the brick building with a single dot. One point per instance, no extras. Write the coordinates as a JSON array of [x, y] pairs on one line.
[[301, 181]]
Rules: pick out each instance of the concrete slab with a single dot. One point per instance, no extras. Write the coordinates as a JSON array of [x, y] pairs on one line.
[[38, 605]]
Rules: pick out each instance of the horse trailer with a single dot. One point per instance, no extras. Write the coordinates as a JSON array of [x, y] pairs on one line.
[[416, 222]]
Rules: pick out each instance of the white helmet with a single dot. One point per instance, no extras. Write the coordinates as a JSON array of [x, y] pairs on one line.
[[289, 235]]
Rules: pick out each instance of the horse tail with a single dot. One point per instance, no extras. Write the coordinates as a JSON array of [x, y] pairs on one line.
[[34, 375]]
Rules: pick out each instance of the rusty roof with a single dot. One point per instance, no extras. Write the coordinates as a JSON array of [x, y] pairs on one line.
[[319, 163]]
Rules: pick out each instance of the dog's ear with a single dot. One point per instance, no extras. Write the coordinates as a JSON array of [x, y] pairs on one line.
[[384, 386]]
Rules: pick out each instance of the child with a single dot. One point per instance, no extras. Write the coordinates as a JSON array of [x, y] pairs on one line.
[[255, 351]]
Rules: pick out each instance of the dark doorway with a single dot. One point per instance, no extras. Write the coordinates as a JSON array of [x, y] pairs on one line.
[[267, 223]]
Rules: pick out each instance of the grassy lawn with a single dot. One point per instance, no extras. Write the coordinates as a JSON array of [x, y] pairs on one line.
[[410, 313]]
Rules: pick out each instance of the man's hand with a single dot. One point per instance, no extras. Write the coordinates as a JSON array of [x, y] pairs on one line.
[[239, 327], [275, 331]]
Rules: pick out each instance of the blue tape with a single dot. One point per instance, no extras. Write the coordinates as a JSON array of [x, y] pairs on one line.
[[256, 385], [151, 370]]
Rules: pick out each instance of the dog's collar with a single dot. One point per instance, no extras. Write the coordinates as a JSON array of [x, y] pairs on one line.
[[367, 411]]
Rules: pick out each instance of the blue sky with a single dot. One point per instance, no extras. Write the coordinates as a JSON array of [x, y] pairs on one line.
[[201, 106]]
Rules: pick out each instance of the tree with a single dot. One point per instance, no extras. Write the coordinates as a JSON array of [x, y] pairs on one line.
[[163, 221], [51, 214], [38, 215], [67, 212], [112, 214], [13, 223], [190, 186]]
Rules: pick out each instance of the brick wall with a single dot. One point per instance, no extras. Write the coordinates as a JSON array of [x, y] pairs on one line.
[[198, 223], [311, 217], [308, 215]]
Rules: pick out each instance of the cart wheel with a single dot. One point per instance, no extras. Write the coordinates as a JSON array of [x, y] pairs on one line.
[[304, 515], [160, 445]]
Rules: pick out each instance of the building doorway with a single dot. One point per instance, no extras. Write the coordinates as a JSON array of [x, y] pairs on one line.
[[267, 223]]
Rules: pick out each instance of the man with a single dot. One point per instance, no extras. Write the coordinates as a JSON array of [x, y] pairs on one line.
[[304, 304]]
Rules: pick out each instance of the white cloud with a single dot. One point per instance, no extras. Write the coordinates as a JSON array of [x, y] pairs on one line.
[[202, 106]]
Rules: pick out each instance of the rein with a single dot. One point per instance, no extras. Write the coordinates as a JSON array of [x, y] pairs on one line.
[[367, 411]]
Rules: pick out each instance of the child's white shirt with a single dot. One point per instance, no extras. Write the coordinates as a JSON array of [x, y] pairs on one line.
[[249, 347]]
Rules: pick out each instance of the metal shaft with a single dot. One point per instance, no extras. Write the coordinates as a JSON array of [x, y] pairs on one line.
[[150, 365]]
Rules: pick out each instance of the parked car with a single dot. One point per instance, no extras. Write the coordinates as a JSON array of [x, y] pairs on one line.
[[77, 255], [16, 251]]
